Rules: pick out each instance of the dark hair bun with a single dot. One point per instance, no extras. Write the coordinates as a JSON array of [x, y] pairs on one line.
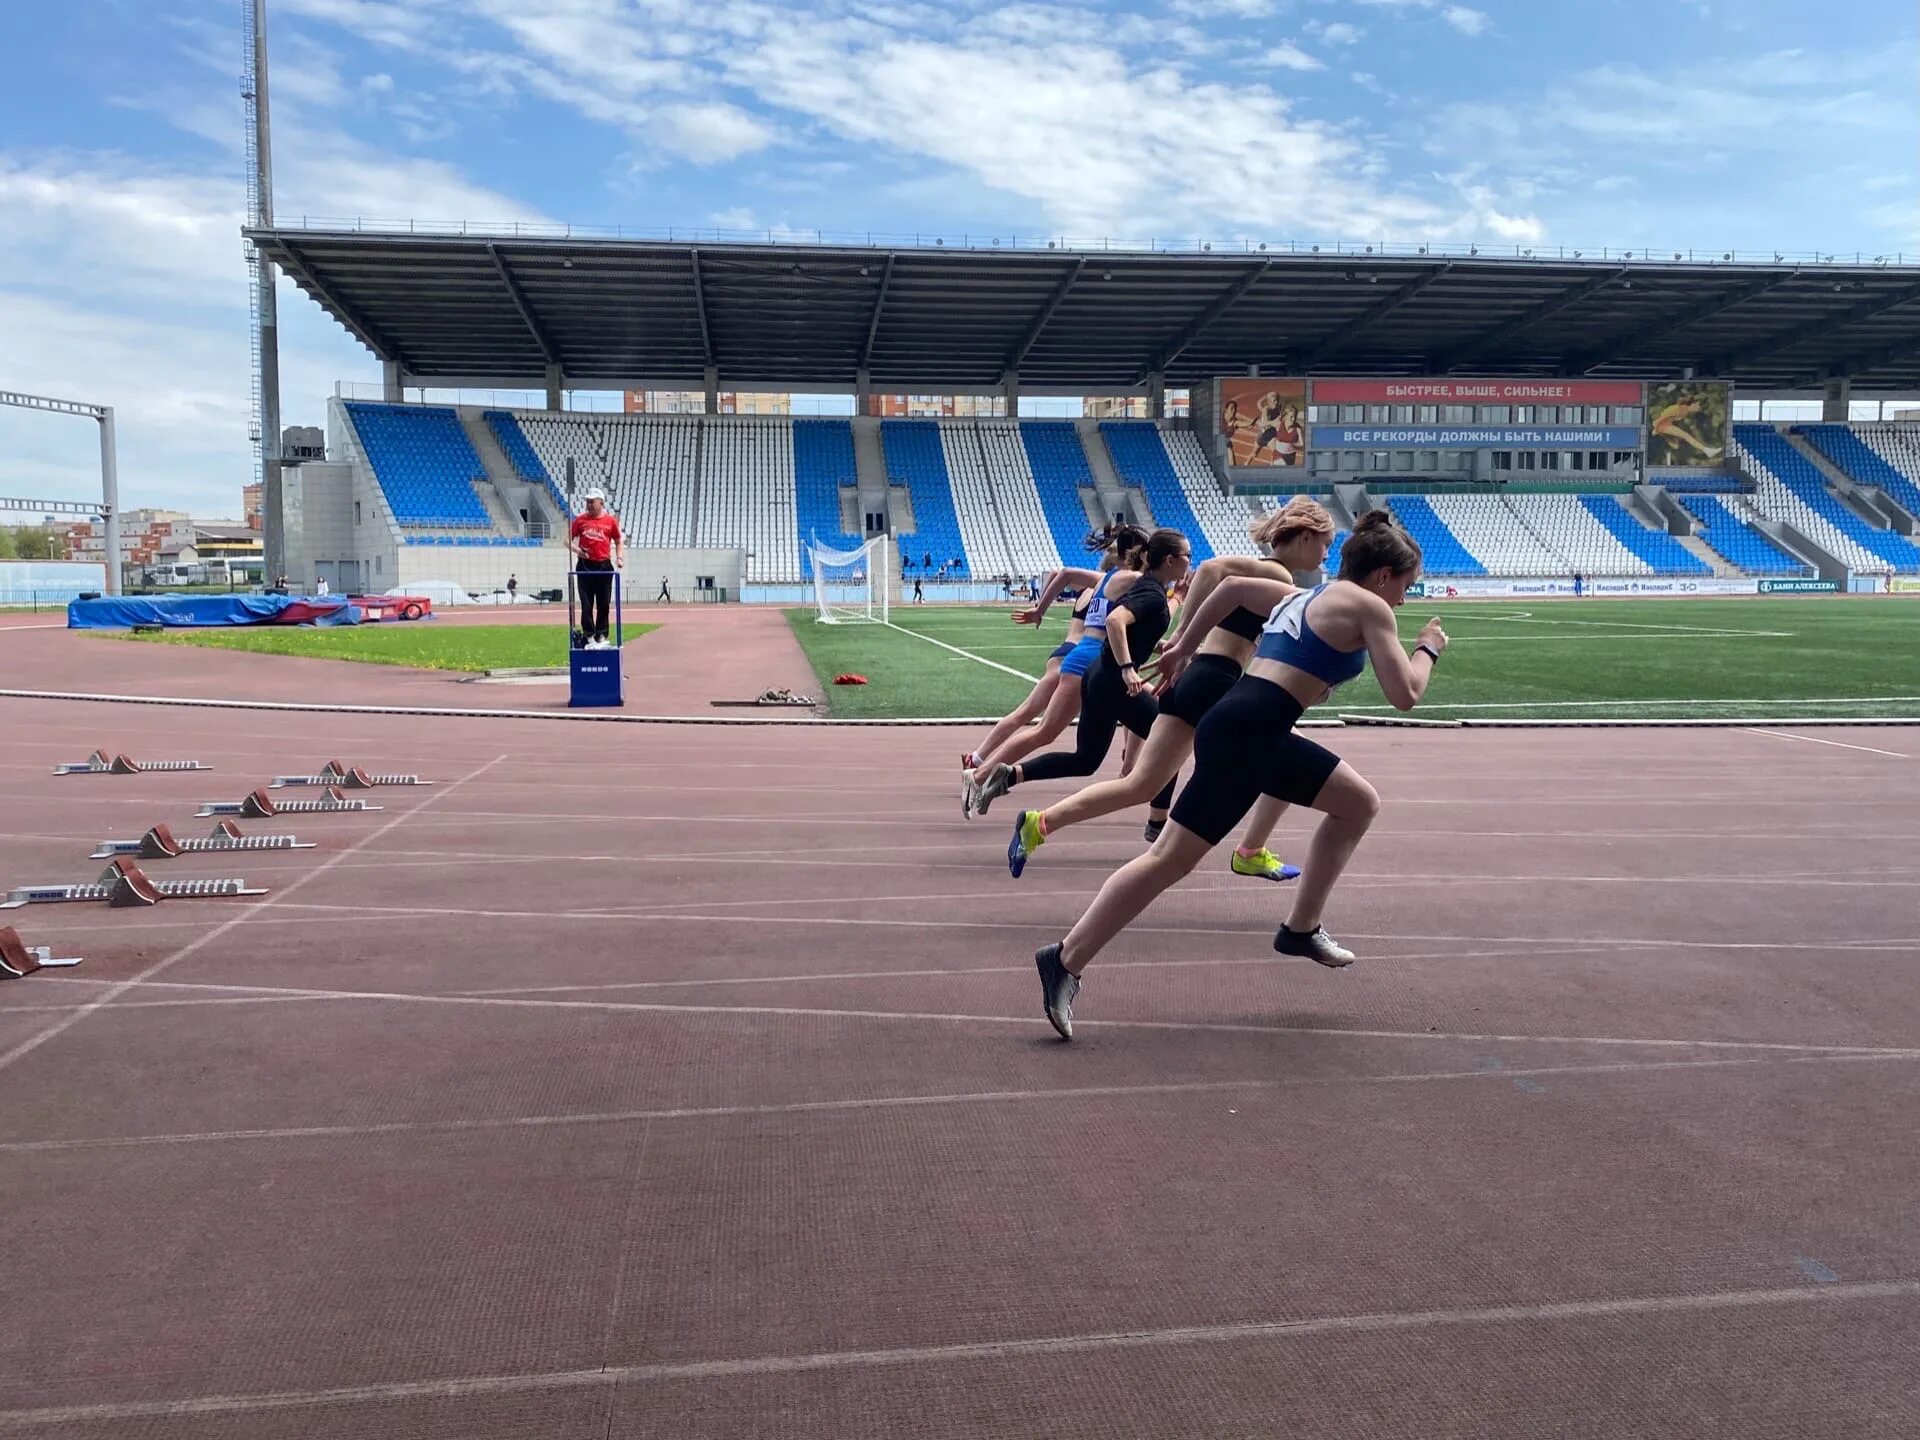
[[1374, 520]]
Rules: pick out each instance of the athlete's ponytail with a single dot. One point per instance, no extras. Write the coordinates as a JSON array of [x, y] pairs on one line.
[[1378, 541]]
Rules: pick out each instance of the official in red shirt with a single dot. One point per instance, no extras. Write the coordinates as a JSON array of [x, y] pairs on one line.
[[598, 550]]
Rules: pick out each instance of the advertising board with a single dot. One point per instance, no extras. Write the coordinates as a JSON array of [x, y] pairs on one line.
[[1475, 437], [1264, 421], [1476, 392], [1798, 587], [1476, 587]]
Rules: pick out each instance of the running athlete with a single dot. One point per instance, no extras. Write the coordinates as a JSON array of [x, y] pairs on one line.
[[1126, 548], [1035, 705], [1297, 537], [1112, 692], [1314, 641]]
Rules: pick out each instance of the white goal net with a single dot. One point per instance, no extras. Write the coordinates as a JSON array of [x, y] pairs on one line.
[[851, 587]]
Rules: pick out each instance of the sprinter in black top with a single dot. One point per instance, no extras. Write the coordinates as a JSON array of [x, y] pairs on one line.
[[1112, 693]]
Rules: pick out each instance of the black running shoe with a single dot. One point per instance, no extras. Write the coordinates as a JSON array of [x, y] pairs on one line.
[[1315, 944], [1154, 827], [1058, 986]]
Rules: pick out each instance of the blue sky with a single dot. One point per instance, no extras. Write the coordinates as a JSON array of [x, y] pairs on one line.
[[1682, 123]]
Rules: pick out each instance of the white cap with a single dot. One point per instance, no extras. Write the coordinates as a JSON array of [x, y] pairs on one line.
[[594, 492]]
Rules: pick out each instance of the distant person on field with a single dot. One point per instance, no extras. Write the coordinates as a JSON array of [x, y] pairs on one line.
[[919, 595], [594, 541], [665, 595], [1579, 585], [513, 588], [320, 586]]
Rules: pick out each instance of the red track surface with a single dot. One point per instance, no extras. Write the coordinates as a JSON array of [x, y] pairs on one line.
[[677, 1082]]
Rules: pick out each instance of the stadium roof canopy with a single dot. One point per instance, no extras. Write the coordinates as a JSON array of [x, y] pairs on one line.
[[498, 310]]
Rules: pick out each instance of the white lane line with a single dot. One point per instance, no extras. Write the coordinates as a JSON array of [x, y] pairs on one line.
[[1816, 740], [893, 1102], [35, 1041], [1015, 1348]]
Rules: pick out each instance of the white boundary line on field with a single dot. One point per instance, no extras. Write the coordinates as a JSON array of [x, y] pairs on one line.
[[978, 659], [1645, 704]]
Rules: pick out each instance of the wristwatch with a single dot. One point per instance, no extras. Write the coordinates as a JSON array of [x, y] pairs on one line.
[[1429, 649]]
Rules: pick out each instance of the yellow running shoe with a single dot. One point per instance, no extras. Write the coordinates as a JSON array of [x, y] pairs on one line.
[[1263, 864], [1027, 838]]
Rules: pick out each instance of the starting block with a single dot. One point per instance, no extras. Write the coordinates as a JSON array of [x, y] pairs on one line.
[[122, 885], [101, 763], [18, 959], [259, 805], [333, 773], [159, 844]]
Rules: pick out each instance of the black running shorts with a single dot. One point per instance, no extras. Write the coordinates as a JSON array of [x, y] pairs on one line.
[[1244, 747], [1201, 686]]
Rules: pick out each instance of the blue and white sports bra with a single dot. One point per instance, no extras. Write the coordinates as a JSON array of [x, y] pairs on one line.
[[1289, 639], [1094, 617]]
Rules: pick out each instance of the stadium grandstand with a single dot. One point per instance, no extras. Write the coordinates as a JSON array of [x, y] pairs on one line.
[[1527, 420]]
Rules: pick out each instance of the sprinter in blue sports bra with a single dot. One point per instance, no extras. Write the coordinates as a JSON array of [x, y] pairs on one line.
[[1034, 707], [1128, 546], [1246, 746]]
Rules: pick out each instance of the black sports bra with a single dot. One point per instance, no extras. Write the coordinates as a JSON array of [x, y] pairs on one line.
[[1244, 623]]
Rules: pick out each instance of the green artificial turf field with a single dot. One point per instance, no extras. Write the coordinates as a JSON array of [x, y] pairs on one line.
[[1734, 658], [420, 644]]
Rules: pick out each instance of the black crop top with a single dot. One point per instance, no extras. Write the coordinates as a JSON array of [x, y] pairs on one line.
[[1243, 622]]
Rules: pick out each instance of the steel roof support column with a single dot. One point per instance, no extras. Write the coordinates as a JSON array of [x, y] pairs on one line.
[[712, 406], [863, 391], [1010, 392], [391, 389], [1157, 395], [1836, 404], [556, 388]]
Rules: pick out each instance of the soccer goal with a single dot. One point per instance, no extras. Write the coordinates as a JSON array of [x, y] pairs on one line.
[[851, 587]]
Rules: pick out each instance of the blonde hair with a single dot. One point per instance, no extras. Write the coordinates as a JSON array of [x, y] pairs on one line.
[[1298, 516]]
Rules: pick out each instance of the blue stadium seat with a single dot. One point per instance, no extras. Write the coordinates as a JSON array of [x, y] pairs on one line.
[[1332, 567], [1738, 541], [1859, 461], [1665, 554], [520, 454], [1141, 459], [424, 462], [1809, 486], [1441, 551], [1059, 464], [823, 466], [916, 459]]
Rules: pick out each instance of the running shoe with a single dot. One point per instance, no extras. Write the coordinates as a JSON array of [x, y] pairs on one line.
[[999, 780], [1263, 864], [1027, 838], [1154, 827], [1058, 986], [966, 794], [1315, 944]]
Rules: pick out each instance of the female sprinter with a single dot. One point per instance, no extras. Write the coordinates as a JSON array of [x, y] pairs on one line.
[[1247, 745], [1112, 693], [1035, 705], [1126, 548], [1297, 536]]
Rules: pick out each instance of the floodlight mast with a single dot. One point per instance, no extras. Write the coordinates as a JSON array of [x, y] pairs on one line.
[[263, 313], [109, 466]]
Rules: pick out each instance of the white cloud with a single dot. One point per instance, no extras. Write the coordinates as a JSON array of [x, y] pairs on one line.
[[1466, 20], [738, 218], [1287, 56], [1243, 9], [1338, 33], [712, 132]]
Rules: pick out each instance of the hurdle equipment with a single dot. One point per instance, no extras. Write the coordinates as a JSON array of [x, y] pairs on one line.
[[259, 805], [122, 885], [19, 959], [101, 763], [159, 844], [350, 777]]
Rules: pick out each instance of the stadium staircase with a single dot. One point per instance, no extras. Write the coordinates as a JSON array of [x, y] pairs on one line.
[[1063, 476], [1736, 539], [916, 464], [825, 473]]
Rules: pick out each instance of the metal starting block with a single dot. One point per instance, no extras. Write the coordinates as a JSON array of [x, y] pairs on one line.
[[260, 805], [159, 844], [123, 884], [101, 763], [18, 959], [350, 777]]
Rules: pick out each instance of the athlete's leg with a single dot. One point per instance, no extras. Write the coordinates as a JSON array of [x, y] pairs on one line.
[[1348, 804]]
